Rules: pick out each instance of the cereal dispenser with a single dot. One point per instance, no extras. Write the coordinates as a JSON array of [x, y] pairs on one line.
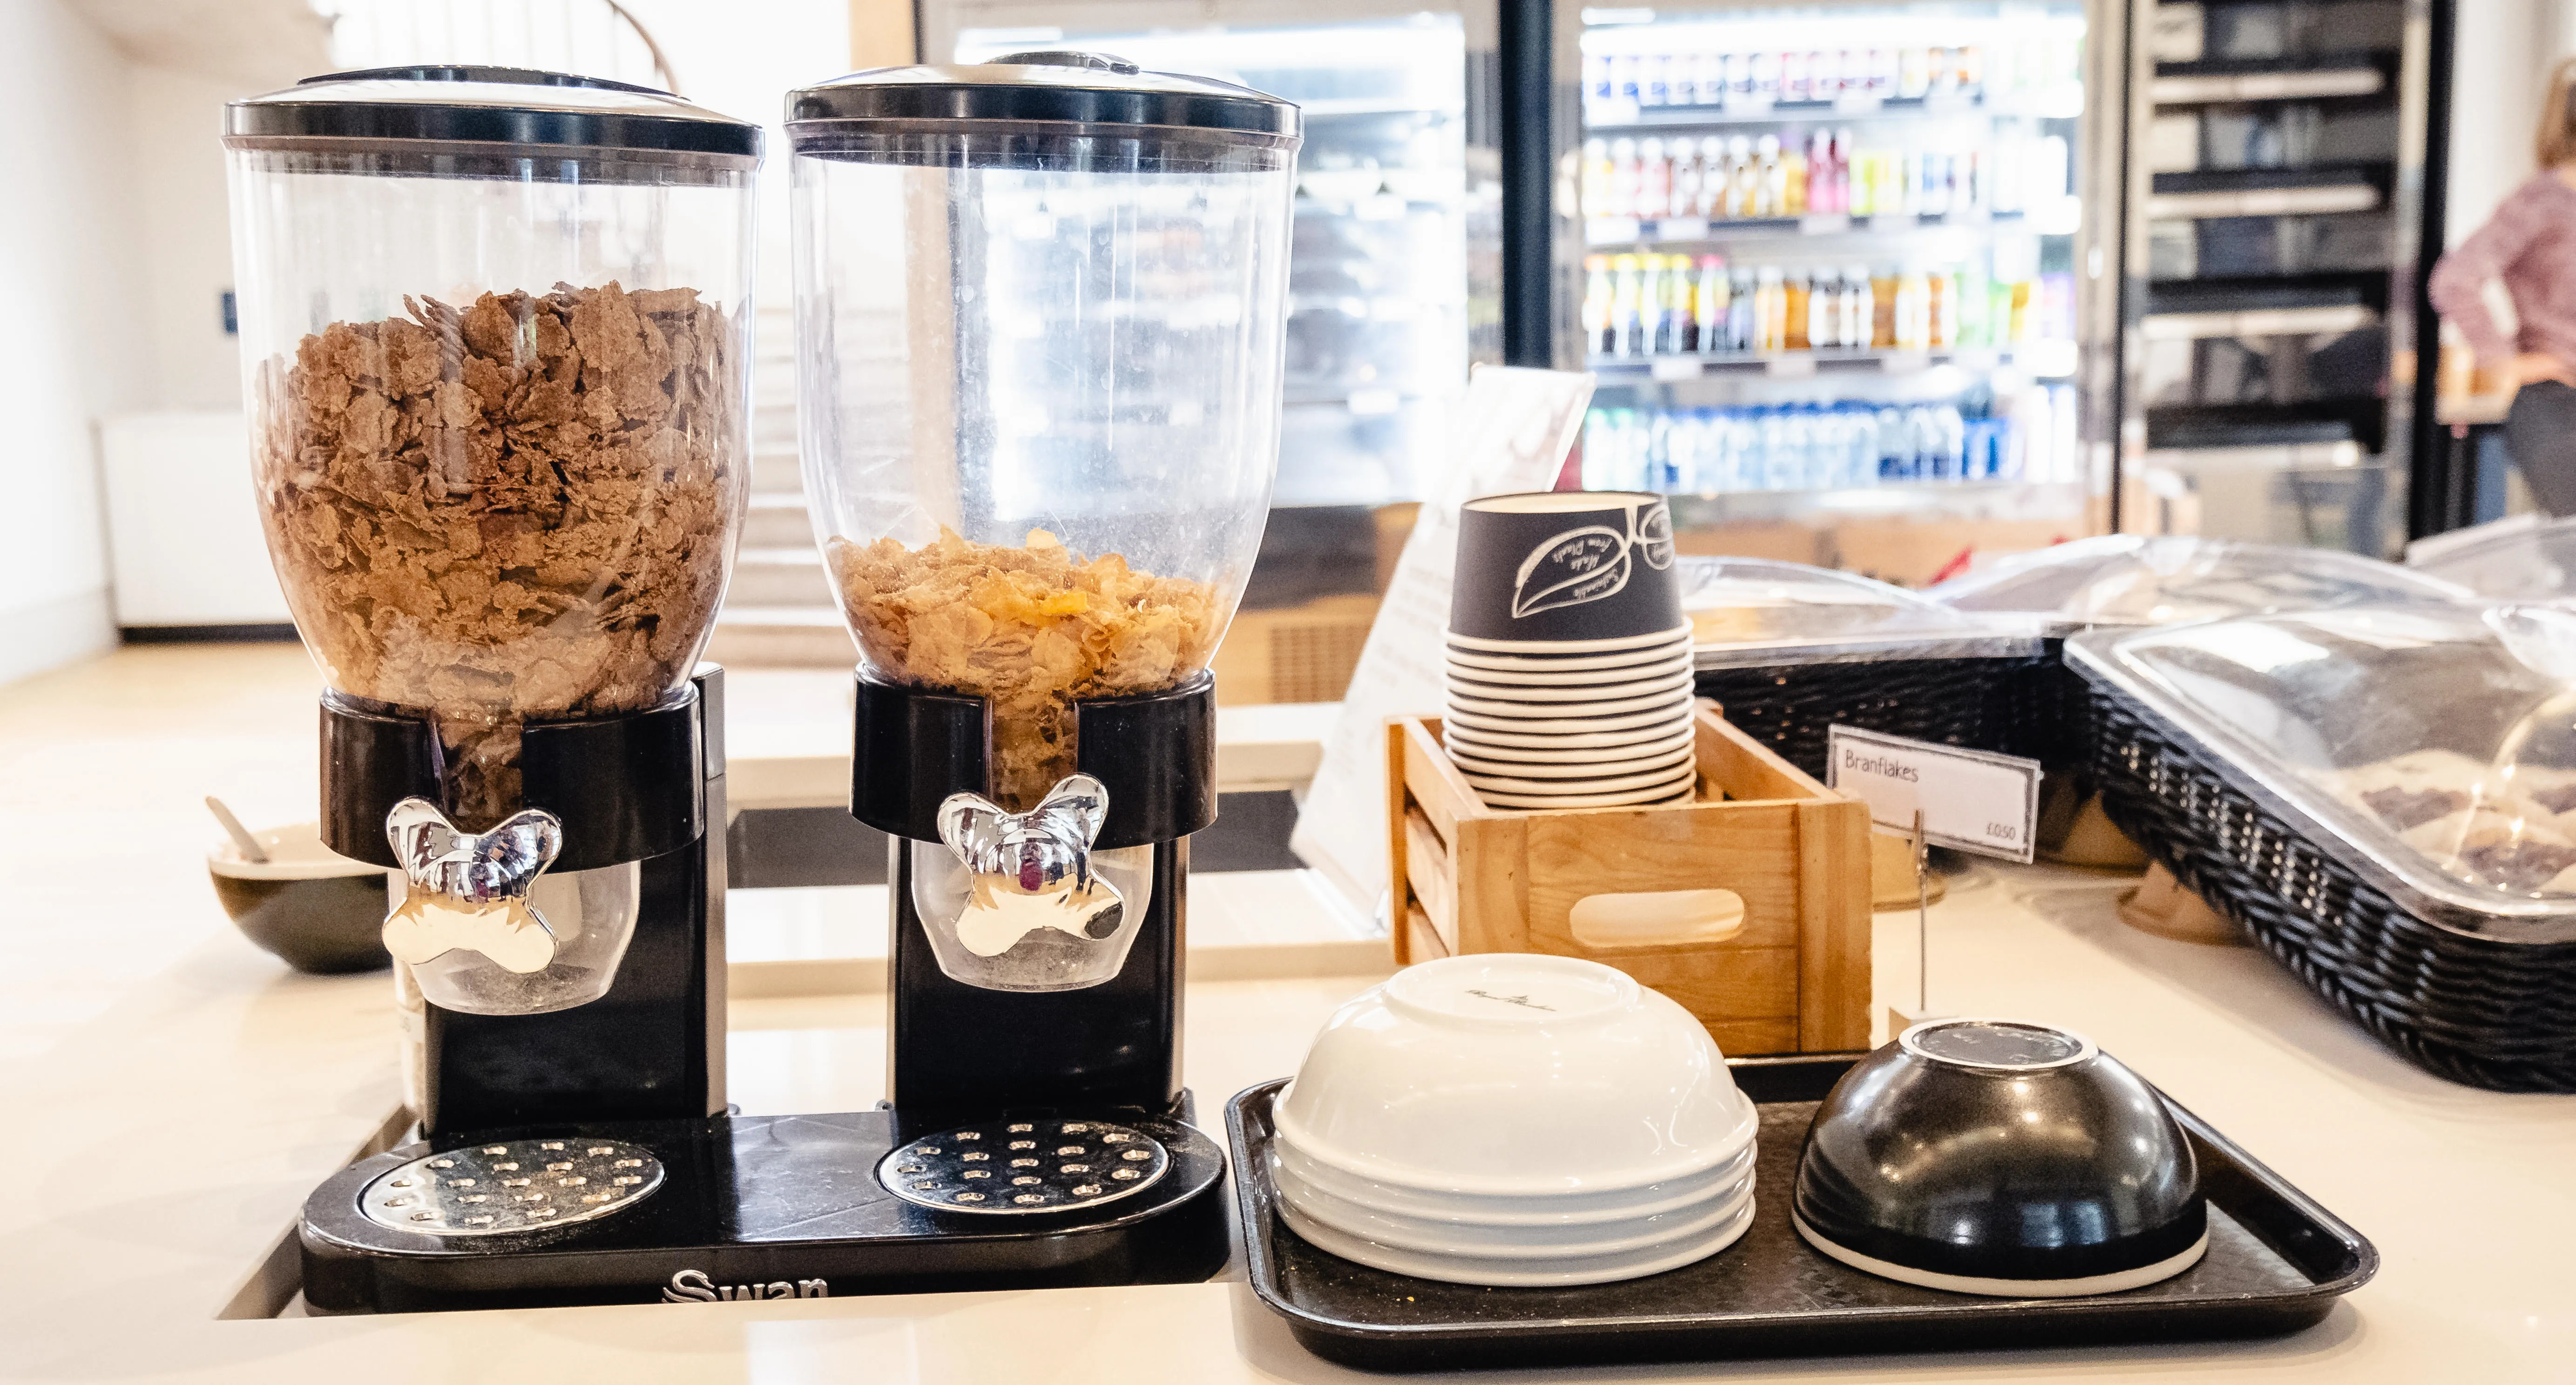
[[1039, 310], [493, 330]]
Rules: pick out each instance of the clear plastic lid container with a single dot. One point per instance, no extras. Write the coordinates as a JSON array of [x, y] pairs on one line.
[[2431, 746], [1039, 312], [494, 331], [2133, 579], [1756, 611], [2513, 560]]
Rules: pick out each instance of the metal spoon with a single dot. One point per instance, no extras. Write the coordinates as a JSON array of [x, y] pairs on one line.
[[243, 841]]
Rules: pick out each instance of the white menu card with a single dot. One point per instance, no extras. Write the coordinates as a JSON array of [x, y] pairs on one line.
[[1515, 428]]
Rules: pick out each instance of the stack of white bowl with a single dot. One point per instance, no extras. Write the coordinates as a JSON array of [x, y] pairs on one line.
[[1569, 659], [1514, 1119]]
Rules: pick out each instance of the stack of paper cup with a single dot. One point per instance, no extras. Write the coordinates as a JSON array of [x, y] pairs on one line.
[[1569, 660]]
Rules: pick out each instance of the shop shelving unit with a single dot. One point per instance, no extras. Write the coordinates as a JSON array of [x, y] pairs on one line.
[[2029, 413], [2277, 177]]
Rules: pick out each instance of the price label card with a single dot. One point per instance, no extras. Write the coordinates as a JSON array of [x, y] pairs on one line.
[[1971, 800]]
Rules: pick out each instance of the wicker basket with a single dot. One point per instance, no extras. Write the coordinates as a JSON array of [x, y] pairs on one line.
[[2491, 1014], [1983, 703]]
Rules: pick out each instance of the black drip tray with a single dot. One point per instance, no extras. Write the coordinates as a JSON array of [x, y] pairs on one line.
[[764, 1207], [2276, 1263]]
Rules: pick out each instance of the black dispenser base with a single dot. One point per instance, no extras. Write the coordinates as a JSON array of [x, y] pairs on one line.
[[766, 1207]]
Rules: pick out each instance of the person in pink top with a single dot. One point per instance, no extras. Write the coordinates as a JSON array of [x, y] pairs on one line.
[[2529, 246]]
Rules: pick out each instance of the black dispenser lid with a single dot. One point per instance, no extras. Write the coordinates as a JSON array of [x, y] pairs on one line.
[[459, 104], [1053, 88]]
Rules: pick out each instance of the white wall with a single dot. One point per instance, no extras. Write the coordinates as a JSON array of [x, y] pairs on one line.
[[78, 345], [187, 246], [114, 241], [2500, 63]]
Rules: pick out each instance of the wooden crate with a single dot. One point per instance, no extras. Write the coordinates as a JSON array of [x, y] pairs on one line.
[[1793, 978]]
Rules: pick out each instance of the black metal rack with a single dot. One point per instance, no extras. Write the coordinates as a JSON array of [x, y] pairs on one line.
[[2274, 276]]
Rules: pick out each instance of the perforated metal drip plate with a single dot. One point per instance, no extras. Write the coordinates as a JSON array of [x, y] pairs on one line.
[[511, 1185], [1025, 1166]]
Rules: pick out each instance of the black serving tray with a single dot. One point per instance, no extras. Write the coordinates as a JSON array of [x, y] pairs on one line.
[[2276, 1263]]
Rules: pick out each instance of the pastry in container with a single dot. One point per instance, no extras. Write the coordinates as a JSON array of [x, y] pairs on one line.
[[2383, 796], [1790, 650]]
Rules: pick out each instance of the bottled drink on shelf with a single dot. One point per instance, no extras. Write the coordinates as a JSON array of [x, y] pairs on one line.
[[1824, 312], [1770, 186], [1676, 337], [1823, 446], [1913, 73], [1743, 177], [1743, 314], [1796, 290], [1764, 68], [1650, 305], [1597, 178], [1710, 306], [1913, 311], [1627, 293], [1859, 318], [1851, 72], [1684, 153], [1654, 181], [1716, 179], [1770, 309], [1698, 82], [2066, 462], [1624, 178], [1975, 298], [1598, 338]]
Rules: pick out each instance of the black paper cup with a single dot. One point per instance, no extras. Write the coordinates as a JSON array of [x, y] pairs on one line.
[[1565, 566], [1673, 719], [1657, 782], [1569, 695], [1683, 793], [1673, 699], [1677, 662], [1472, 764], [1566, 750], [1464, 657]]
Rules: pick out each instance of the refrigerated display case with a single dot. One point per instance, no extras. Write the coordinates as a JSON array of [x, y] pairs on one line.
[[2276, 221], [1393, 273], [1847, 273]]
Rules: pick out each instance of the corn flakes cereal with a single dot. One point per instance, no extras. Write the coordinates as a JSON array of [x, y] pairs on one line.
[[1033, 629]]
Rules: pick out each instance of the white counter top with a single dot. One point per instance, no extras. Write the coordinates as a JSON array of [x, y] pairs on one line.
[[175, 1094]]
